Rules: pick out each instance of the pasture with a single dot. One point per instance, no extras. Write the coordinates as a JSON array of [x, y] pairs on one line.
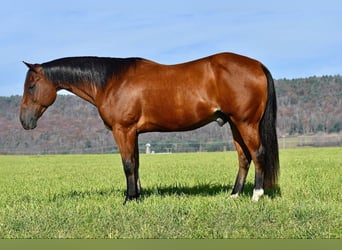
[[184, 196]]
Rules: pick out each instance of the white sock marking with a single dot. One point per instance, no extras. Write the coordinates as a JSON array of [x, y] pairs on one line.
[[257, 193]]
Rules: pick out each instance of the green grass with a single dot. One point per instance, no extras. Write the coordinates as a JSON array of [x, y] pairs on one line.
[[184, 196]]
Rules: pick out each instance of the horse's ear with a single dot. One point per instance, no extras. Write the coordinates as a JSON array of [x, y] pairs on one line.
[[34, 67]]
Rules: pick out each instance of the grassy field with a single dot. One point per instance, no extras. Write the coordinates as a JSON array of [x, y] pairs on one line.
[[184, 196]]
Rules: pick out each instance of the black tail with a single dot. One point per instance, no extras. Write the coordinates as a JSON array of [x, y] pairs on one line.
[[269, 142]]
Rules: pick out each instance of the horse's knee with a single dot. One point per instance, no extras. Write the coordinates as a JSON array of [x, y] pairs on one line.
[[129, 167]]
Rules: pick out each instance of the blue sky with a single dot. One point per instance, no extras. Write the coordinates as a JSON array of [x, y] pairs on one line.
[[292, 38]]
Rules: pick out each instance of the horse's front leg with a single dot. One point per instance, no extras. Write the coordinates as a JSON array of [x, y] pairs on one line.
[[127, 141]]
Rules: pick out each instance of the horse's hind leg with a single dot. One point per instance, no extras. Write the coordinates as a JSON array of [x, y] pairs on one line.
[[244, 158], [251, 138], [244, 164], [258, 191], [248, 146]]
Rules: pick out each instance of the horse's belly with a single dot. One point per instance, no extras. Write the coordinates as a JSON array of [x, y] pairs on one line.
[[179, 119]]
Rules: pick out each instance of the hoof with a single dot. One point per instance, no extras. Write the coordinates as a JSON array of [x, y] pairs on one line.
[[131, 198], [257, 194], [234, 196]]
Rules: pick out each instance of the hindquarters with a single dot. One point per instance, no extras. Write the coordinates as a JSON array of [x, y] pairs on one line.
[[250, 106]]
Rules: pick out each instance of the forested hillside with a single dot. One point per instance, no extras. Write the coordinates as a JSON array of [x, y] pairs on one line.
[[305, 106], [309, 105]]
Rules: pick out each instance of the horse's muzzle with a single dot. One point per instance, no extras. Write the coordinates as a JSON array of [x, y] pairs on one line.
[[28, 121]]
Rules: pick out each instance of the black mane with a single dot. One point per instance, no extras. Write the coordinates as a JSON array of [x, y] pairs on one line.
[[94, 70]]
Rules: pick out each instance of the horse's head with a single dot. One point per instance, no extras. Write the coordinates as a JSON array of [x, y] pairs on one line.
[[39, 94]]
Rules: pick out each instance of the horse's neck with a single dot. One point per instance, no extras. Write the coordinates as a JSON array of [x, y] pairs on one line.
[[87, 93]]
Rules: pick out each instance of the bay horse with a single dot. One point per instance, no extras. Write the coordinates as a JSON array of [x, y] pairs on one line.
[[136, 95]]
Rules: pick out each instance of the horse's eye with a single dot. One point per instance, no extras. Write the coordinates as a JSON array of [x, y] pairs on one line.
[[32, 87]]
